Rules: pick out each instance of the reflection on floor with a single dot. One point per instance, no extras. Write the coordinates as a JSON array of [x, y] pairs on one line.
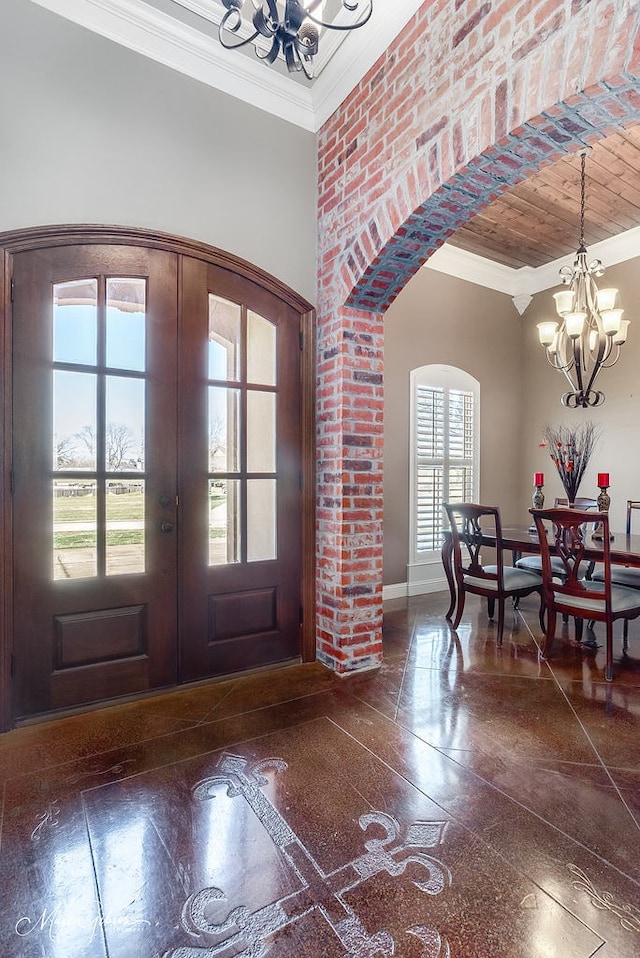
[[461, 801]]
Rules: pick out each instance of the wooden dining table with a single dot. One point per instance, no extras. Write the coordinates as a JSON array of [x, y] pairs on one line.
[[625, 550]]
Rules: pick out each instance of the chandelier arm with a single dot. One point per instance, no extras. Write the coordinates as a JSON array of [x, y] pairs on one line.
[[235, 46], [291, 57], [577, 364], [302, 55], [604, 351], [338, 26], [231, 22], [272, 53], [604, 342], [565, 369], [265, 26], [606, 365], [555, 363]]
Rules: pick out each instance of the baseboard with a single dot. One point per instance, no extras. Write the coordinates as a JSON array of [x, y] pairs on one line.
[[401, 590], [397, 591]]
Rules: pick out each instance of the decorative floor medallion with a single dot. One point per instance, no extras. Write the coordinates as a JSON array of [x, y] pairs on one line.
[[243, 932]]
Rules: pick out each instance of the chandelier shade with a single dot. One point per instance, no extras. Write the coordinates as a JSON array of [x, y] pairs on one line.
[[591, 331], [291, 27]]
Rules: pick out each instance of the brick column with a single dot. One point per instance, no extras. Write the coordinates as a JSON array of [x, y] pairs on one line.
[[349, 512]]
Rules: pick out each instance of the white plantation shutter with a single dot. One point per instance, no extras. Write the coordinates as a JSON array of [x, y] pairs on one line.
[[429, 446], [444, 452]]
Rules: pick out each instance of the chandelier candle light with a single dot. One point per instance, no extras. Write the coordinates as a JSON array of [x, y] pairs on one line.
[[591, 332], [292, 27]]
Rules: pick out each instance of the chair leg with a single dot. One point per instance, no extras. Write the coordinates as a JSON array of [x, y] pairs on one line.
[[550, 633], [491, 606], [459, 609], [447, 562], [500, 620], [578, 625], [541, 616], [625, 635], [608, 669]]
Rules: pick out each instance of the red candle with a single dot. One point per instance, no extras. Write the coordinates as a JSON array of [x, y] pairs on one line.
[[538, 478], [603, 480]]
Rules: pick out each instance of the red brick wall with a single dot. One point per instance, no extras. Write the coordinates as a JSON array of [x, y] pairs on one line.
[[470, 99]]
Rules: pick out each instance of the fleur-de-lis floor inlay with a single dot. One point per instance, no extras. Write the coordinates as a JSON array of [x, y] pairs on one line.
[[250, 934]]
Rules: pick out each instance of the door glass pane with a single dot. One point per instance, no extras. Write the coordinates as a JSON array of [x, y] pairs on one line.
[[126, 307], [75, 529], [224, 339], [261, 432], [224, 521], [261, 520], [75, 322], [261, 350], [224, 429], [124, 510], [124, 438], [74, 420]]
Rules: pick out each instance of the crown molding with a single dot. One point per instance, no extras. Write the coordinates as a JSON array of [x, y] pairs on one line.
[[343, 60], [524, 282], [142, 28]]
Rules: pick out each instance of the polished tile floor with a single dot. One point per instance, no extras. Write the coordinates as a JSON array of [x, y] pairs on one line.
[[461, 801]]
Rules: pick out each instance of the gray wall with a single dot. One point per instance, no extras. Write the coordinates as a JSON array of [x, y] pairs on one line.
[[91, 132], [439, 319]]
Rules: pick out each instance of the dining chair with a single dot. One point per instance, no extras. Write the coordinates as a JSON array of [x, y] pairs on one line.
[[624, 575], [470, 523], [572, 594], [534, 562]]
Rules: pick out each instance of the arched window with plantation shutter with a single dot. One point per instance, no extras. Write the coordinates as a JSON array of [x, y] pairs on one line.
[[445, 404]]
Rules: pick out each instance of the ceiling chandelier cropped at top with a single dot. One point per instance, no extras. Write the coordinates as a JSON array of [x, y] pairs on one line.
[[291, 27], [592, 330]]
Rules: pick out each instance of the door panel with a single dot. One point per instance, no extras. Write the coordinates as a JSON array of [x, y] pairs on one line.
[[157, 444], [94, 474], [240, 512]]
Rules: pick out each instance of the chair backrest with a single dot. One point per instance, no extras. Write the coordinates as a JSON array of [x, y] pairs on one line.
[[579, 502], [631, 505], [567, 539], [470, 522]]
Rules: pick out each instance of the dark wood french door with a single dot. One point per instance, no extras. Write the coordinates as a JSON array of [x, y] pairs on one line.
[[156, 474]]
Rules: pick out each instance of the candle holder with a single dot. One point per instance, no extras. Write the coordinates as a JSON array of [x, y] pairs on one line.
[[537, 501], [604, 501]]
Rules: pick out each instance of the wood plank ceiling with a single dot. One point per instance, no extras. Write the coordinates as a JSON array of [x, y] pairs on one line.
[[538, 221]]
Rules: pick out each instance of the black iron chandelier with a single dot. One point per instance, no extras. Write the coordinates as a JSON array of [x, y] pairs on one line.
[[591, 332], [290, 26]]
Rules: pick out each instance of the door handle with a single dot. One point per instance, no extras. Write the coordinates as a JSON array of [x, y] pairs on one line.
[[166, 526]]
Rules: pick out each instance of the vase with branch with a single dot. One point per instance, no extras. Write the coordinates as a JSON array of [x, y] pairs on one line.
[[570, 449]]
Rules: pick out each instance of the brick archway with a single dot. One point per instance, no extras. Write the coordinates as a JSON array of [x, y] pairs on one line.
[[407, 159]]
